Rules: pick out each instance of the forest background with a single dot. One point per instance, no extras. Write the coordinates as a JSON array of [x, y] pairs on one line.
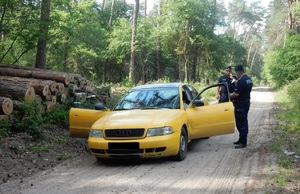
[[112, 41]]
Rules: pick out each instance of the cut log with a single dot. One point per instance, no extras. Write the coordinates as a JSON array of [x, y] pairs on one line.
[[53, 99], [39, 87], [48, 105], [60, 87], [38, 99], [17, 105], [61, 98], [17, 91], [48, 96], [36, 73], [52, 85], [6, 106]]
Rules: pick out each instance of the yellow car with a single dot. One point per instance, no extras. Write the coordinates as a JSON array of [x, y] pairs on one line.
[[154, 120]]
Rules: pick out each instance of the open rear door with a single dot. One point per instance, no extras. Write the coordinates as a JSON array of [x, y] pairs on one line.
[[81, 120], [213, 118]]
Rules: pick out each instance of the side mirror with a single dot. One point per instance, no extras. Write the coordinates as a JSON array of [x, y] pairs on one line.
[[197, 103], [100, 106]]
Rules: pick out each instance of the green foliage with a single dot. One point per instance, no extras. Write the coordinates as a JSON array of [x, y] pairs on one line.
[[29, 121], [38, 149], [283, 64], [285, 162], [127, 82], [58, 116], [59, 140], [293, 91], [282, 178], [5, 128]]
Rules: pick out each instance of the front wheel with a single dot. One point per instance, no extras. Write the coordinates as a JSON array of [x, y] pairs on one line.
[[183, 144]]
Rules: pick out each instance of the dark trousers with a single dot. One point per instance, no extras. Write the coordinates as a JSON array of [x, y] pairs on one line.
[[223, 98], [241, 110]]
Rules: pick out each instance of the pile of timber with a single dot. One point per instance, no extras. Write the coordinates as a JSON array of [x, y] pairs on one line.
[[50, 88]]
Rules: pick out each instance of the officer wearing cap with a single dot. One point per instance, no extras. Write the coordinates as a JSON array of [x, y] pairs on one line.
[[222, 93], [241, 102]]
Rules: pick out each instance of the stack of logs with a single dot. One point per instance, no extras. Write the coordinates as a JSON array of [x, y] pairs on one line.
[[50, 88]]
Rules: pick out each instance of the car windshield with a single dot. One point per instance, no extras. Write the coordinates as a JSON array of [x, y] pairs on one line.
[[150, 98]]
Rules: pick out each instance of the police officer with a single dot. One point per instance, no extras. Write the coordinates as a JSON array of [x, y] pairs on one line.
[[241, 101], [222, 94]]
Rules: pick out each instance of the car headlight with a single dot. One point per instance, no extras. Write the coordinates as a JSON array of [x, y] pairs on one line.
[[159, 131], [96, 133]]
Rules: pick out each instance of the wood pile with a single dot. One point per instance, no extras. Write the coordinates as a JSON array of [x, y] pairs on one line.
[[50, 88]]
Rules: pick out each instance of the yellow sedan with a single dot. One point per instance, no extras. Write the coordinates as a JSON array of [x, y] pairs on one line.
[[154, 120]]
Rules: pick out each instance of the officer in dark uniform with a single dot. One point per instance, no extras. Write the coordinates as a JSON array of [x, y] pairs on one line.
[[241, 101], [222, 94]]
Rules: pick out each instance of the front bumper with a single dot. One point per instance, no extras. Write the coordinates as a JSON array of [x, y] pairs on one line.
[[148, 147]]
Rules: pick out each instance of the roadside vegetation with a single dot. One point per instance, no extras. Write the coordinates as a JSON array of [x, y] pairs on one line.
[[282, 71]]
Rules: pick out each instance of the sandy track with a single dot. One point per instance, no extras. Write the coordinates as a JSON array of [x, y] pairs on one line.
[[212, 166]]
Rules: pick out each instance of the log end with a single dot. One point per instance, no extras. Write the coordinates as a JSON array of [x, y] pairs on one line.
[[30, 94], [7, 106], [46, 90]]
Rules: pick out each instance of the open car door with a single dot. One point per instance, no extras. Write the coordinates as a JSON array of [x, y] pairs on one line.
[[81, 120], [208, 117]]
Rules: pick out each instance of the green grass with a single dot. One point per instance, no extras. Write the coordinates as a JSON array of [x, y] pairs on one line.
[[288, 137], [38, 149]]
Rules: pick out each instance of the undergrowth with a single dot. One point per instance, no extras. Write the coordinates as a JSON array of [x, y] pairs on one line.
[[288, 139]]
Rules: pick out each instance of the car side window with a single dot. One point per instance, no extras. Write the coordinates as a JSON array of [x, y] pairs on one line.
[[208, 96]]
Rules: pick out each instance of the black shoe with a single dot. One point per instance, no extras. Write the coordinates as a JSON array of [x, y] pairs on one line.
[[237, 142], [240, 145]]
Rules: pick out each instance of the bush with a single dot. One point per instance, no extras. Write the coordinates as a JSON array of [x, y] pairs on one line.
[[294, 93], [5, 128], [29, 121], [59, 116]]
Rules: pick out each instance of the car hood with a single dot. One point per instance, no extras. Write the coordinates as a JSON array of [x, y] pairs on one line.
[[135, 119]]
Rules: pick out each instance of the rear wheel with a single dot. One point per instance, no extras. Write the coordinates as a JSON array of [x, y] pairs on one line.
[[183, 144]]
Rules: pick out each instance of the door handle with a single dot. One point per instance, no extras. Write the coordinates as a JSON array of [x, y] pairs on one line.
[[226, 109]]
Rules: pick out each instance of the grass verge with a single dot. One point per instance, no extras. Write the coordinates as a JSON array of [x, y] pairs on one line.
[[287, 142]]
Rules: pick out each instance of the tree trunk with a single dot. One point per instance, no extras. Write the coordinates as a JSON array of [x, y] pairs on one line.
[[103, 5], [6, 106], [158, 50], [111, 13], [17, 92], [40, 61], [40, 87], [37, 74], [145, 11], [133, 37]]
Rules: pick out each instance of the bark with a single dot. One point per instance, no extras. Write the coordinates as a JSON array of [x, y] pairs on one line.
[[40, 87], [158, 47], [37, 74], [145, 11], [60, 87], [133, 42], [48, 106], [6, 106], [111, 13], [43, 36], [17, 91]]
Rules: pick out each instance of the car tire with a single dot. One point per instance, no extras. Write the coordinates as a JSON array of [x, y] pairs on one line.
[[183, 144]]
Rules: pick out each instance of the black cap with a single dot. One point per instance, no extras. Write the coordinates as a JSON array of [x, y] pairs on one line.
[[239, 67], [228, 68]]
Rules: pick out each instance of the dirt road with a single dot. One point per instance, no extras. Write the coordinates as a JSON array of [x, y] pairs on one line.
[[212, 166]]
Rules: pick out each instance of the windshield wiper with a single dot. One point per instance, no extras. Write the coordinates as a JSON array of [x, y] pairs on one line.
[[122, 109], [150, 107]]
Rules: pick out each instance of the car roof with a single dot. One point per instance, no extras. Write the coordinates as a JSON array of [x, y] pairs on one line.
[[159, 85]]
